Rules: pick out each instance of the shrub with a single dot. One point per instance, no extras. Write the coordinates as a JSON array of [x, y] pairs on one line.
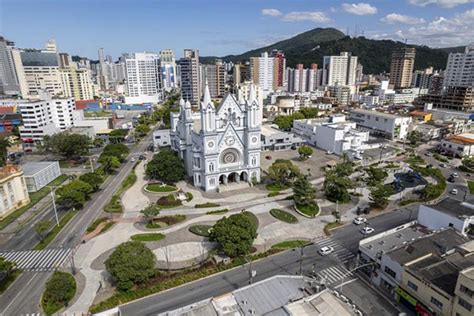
[[274, 193], [147, 237], [168, 201], [60, 289], [170, 220], [217, 212], [189, 196], [310, 210], [283, 216], [208, 204], [96, 223], [200, 230]]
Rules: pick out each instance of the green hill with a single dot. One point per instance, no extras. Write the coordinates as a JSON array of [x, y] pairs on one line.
[[310, 47]]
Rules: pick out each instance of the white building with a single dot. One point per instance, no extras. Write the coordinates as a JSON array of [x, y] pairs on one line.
[[460, 68], [77, 82], [302, 79], [447, 213], [100, 124], [343, 94], [340, 69], [262, 72], [461, 145], [380, 123], [13, 192], [221, 145], [190, 77], [39, 174], [168, 69], [143, 72], [274, 139], [161, 138]]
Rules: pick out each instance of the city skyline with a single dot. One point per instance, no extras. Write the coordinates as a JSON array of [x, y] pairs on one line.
[[81, 27]]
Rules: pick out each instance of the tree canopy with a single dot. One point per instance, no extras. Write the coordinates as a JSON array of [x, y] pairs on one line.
[[131, 263], [60, 289], [283, 171], [235, 234], [304, 193], [6, 266], [118, 135], [305, 151], [93, 179], [309, 112], [379, 195], [166, 166], [67, 145], [142, 129], [151, 210], [285, 122], [74, 194], [4, 144], [42, 227], [116, 150], [109, 163]]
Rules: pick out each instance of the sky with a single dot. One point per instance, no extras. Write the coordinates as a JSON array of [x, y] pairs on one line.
[[221, 27]]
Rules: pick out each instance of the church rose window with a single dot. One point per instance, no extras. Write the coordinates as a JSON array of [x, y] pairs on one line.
[[230, 156]]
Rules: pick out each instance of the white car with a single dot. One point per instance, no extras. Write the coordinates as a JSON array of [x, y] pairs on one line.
[[443, 165], [132, 159], [359, 220], [455, 175], [429, 154], [454, 191], [367, 230], [324, 251]]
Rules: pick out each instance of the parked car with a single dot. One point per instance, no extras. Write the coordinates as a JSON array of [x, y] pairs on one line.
[[367, 230], [268, 157], [443, 165], [324, 251], [429, 154], [451, 179], [359, 220], [454, 191], [454, 175], [142, 157]]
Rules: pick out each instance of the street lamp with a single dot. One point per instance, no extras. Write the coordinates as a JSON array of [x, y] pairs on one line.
[[54, 202]]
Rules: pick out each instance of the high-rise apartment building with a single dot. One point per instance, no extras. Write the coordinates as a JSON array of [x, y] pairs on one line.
[[9, 83], [241, 73], [340, 70], [401, 67], [101, 74], [214, 75], [279, 66], [168, 69], [460, 68], [142, 72], [190, 77], [77, 82], [262, 72], [302, 79]]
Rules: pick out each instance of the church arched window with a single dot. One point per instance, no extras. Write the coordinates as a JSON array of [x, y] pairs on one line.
[[211, 167], [254, 161]]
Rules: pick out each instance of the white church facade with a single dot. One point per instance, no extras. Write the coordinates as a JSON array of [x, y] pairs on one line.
[[219, 145]]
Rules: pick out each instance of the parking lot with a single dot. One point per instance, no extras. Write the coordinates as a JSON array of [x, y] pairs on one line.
[[312, 165]]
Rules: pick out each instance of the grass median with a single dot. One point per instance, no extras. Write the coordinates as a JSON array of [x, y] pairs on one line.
[[55, 230]]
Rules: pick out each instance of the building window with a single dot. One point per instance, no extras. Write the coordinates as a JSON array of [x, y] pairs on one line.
[[465, 304], [466, 290], [412, 285], [211, 167], [436, 303], [390, 272], [254, 161]]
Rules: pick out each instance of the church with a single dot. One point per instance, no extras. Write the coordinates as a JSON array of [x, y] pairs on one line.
[[220, 145]]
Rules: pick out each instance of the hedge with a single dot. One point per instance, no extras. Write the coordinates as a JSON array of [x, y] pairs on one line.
[[283, 216]]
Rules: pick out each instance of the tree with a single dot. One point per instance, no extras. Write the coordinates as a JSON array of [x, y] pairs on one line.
[[117, 150], [142, 129], [6, 267], [74, 194], [305, 151], [109, 163], [118, 135], [166, 166], [42, 227], [304, 193], [131, 263], [60, 289], [283, 171], [284, 122], [375, 176], [415, 138], [336, 187], [379, 195], [4, 144], [151, 211], [93, 179], [235, 234], [309, 112], [66, 145]]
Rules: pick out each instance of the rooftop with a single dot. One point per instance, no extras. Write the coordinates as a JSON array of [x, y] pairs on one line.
[[32, 168], [465, 139], [8, 170], [454, 207], [268, 130], [378, 113]]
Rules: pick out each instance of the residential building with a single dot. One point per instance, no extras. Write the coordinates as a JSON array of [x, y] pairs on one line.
[[452, 98], [401, 67], [241, 73], [243, 92], [341, 93], [77, 82], [301, 79], [161, 138], [214, 75], [39, 174], [9, 84], [463, 304], [279, 66], [341, 70], [447, 213], [262, 72], [190, 77], [102, 75], [274, 139], [13, 192], [219, 145], [461, 145], [460, 69], [168, 69], [143, 83], [381, 123]]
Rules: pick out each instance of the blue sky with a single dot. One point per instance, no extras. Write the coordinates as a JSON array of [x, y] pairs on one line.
[[220, 27]]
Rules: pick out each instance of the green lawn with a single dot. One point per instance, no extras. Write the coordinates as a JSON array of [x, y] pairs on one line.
[[114, 205], [152, 225], [155, 187], [273, 193], [309, 210], [208, 204], [35, 197], [147, 237], [55, 231], [200, 230], [276, 187], [289, 244], [217, 212], [283, 216], [329, 226], [96, 223], [52, 298], [470, 184]]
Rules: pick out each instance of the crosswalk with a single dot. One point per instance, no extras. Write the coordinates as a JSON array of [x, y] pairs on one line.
[[340, 252], [334, 275], [38, 260]]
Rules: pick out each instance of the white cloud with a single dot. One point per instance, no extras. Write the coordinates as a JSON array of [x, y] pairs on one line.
[[442, 32], [315, 16], [439, 3], [359, 8], [271, 12], [394, 18]]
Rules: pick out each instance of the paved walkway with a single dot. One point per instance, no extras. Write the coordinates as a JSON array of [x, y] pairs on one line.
[[134, 200]]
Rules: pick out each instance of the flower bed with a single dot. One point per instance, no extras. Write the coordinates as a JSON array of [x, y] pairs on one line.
[[311, 210], [200, 230], [283, 216]]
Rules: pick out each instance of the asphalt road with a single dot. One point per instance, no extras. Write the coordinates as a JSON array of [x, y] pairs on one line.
[[282, 263], [23, 296]]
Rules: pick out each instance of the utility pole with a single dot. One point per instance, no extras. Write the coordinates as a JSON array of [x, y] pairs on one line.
[[54, 206], [301, 259]]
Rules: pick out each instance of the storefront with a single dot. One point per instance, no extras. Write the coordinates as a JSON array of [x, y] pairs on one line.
[[411, 303]]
